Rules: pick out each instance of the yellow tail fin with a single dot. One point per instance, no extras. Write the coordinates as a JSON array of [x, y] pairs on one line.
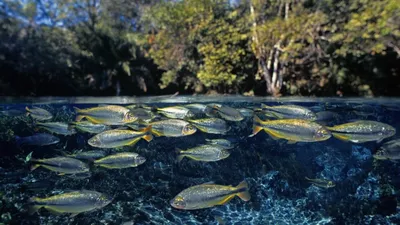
[[78, 117], [146, 129], [256, 129], [148, 137], [244, 195]]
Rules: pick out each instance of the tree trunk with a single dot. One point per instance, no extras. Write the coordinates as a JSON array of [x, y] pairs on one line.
[[263, 67]]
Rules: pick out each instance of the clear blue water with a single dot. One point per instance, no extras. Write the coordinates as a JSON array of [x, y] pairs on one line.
[[366, 190]]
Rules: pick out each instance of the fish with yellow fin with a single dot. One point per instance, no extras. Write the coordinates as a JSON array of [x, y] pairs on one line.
[[362, 131], [73, 203], [228, 113], [205, 153], [176, 112], [293, 130], [88, 127], [288, 112], [321, 183], [38, 113], [208, 195], [172, 128], [118, 138], [120, 160], [211, 125], [108, 115], [61, 165]]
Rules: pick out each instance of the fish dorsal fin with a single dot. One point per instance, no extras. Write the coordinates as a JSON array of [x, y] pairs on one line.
[[209, 182]]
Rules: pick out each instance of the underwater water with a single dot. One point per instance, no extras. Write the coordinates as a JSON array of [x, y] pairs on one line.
[[365, 189]]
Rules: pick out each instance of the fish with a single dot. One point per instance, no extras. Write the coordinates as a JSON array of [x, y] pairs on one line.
[[61, 165], [118, 138], [221, 142], [107, 115], [293, 130], [389, 151], [88, 155], [39, 139], [143, 114], [37, 186], [228, 113], [120, 160], [211, 125], [364, 110], [362, 131], [137, 125], [208, 195], [321, 183], [172, 128], [176, 112], [288, 112], [205, 153], [38, 113], [57, 128], [73, 203], [88, 127], [198, 108], [12, 112]]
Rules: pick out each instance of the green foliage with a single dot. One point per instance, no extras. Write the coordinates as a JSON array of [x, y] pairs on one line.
[[71, 47]]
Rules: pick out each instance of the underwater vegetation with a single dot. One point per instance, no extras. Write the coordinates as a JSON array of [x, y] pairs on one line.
[[200, 163]]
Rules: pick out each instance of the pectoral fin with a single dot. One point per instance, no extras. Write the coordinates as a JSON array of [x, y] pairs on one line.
[[290, 142]]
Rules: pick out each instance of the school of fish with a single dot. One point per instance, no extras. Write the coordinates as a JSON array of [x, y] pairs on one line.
[[116, 126]]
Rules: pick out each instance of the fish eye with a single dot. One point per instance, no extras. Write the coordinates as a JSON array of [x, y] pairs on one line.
[[188, 129], [321, 133]]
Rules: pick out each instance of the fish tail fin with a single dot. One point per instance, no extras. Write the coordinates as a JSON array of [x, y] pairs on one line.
[[146, 129], [79, 117], [264, 106], [180, 155], [256, 129], [179, 158], [244, 195], [77, 111], [28, 111], [35, 166], [33, 209], [148, 137], [307, 178]]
